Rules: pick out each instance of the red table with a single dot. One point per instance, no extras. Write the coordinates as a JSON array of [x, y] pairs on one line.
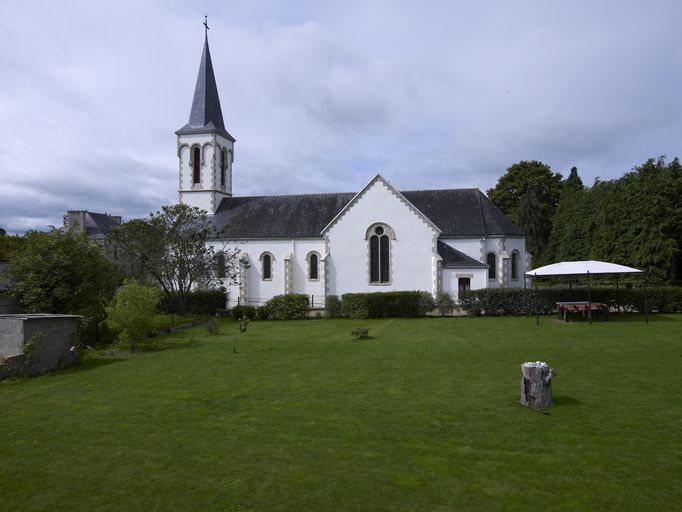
[[582, 306]]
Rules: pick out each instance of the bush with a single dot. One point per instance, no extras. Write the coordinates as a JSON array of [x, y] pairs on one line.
[[360, 332], [332, 304], [445, 303], [212, 326], [294, 306], [248, 311], [199, 302], [132, 312], [515, 301], [386, 304]]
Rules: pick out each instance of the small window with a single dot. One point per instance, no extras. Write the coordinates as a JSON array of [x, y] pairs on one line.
[[197, 165], [313, 267], [266, 271], [220, 265], [464, 284], [515, 265], [492, 264], [223, 165]]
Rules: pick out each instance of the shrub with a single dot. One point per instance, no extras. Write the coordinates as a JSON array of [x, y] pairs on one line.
[[403, 304], [354, 305], [332, 304], [445, 303], [294, 306], [360, 332], [199, 302], [212, 326], [132, 312], [242, 310], [515, 301]]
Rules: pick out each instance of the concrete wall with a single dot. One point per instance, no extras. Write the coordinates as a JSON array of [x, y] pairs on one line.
[[33, 344]]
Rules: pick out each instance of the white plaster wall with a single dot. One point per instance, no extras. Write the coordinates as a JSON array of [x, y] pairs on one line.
[[412, 252], [469, 246], [207, 194], [479, 279], [517, 244], [302, 284]]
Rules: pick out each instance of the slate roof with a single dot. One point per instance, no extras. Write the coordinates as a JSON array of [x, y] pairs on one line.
[[452, 258], [102, 224], [456, 212], [206, 114]]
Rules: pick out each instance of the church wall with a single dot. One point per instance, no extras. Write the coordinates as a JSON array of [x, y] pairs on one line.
[[469, 246], [478, 279], [412, 251]]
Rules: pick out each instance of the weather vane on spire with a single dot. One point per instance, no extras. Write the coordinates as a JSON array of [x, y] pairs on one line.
[[206, 24]]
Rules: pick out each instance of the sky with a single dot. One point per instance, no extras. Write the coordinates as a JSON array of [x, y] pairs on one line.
[[321, 96]]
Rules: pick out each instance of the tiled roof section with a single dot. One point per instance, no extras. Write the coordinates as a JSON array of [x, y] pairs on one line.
[[452, 258], [456, 212], [462, 212], [277, 216], [103, 223], [206, 114]]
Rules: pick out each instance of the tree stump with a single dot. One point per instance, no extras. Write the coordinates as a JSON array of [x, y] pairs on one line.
[[536, 384]]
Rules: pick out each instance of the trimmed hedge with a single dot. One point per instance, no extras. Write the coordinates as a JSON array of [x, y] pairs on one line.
[[240, 311], [515, 301], [199, 302], [293, 306], [405, 304], [332, 304]]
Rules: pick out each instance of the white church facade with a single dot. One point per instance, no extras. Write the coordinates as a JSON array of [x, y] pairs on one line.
[[378, 239]]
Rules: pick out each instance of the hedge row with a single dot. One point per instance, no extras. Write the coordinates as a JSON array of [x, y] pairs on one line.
[[294, 306], [514, 301], [382, 305], [199, 302]]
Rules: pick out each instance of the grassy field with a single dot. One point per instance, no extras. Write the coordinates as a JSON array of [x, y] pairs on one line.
[[422, 416]]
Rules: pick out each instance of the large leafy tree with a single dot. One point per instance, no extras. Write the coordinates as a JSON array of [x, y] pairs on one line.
[[61, 272], [175, 248], [528, 192]]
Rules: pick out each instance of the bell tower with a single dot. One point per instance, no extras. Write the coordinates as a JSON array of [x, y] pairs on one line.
[[205, 148]]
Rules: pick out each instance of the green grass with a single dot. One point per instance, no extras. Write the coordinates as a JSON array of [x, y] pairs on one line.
[[422, 416]]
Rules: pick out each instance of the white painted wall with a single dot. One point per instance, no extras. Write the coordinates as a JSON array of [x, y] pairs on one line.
[[469, 246], [207, 194], [413, 252], [479, 279]]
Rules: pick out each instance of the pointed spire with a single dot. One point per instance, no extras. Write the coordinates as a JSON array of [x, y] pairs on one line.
[[206, 114]]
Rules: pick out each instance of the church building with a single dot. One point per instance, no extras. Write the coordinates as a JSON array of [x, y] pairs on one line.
[[377, 239]]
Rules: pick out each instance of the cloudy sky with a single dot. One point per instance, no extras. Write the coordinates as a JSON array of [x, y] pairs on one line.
[[322, 95]]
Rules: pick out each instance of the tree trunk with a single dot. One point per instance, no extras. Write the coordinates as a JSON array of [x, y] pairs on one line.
[[536, 384]]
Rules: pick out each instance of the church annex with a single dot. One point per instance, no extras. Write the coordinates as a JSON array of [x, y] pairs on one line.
[[377, 239]]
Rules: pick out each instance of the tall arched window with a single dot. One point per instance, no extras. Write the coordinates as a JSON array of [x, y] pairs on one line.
[[196, 162], [515, 265], [380, 254], [492, 265], [223, 165], [220, 265], [313, 266], [266, 266]]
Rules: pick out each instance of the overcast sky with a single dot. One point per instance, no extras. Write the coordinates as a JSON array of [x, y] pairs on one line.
[[323, 95]]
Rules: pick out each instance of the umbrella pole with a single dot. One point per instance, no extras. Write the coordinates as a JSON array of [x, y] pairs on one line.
[[589, 297], [537, 302]]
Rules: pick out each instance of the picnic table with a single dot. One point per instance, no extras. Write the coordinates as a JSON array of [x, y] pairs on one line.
[[584, 307]]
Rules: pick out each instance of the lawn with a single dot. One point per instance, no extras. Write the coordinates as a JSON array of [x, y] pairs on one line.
[[422, 416]]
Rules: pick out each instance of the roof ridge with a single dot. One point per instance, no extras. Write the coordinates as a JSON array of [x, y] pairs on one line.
[[294, 195], [439, 189]]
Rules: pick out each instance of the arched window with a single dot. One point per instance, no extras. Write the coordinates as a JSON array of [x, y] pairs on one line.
[[380, 253], [492, 265], [515, 265], [266, 266], [223, 165], [313, 266], [196, 163], [220, 265]]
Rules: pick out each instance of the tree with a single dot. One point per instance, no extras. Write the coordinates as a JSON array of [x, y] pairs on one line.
[[2, 232], [61, 272], [529, 193], [132, 312], [175, 249]]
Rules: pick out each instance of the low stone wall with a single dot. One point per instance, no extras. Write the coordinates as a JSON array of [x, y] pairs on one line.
[[32, 344]]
